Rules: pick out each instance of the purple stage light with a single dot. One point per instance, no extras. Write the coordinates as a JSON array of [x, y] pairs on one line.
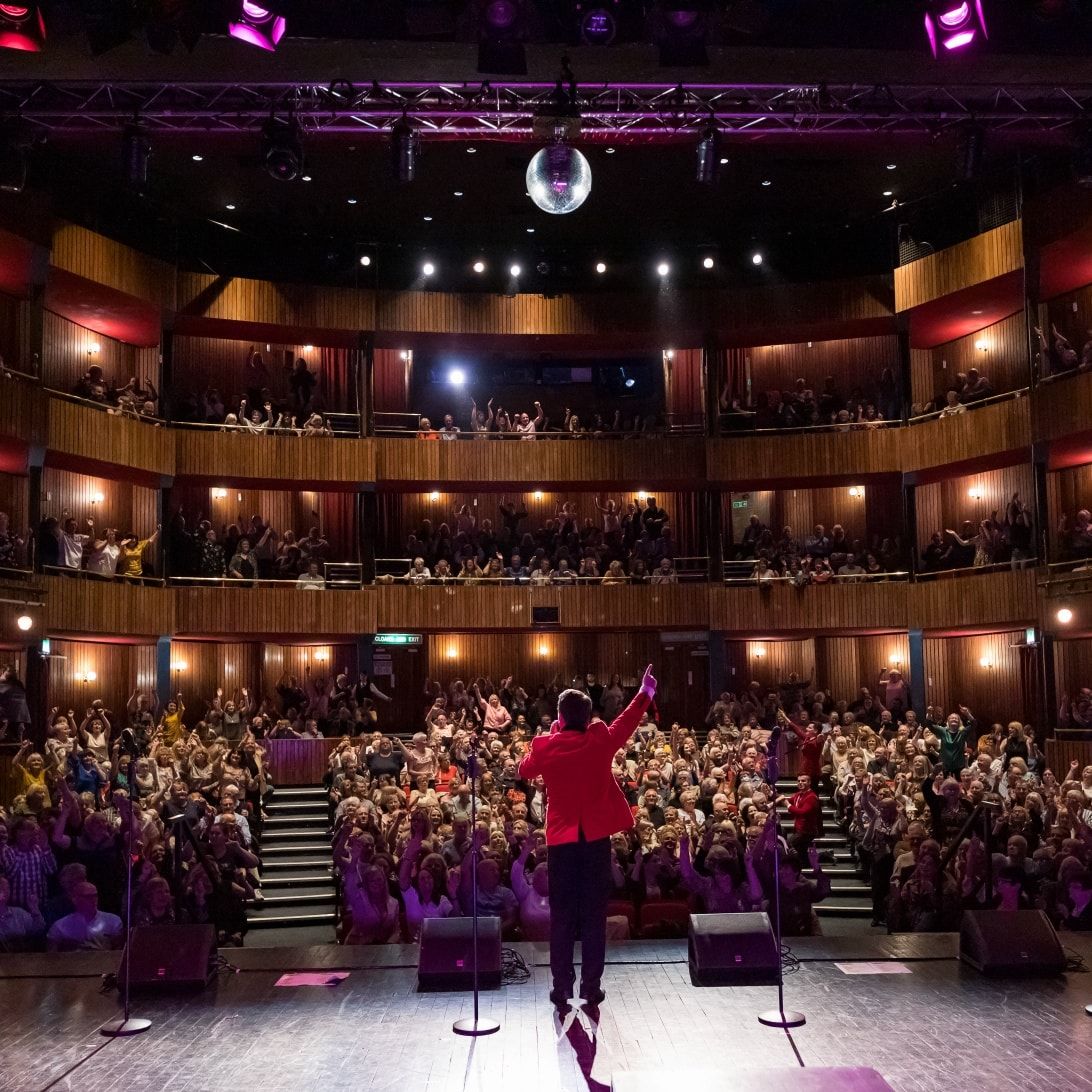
[[258, 26], [500, 15], [22, 27], [952, 26]]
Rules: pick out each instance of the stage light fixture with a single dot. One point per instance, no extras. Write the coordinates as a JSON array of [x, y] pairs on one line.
[[708, 157], [282, 149], [479, 267], [597, 23], [365, 259], [1065, 616], [22, 27], [502, 28], [257, 26], [405, 149], [679, 29], [663, 269], [24, 622], [969, 152], [708, 263], [428, 269], [559, 179], [514, 270], [756, 258], [456, 377], [136, 152], [600, 267], [952, 25]]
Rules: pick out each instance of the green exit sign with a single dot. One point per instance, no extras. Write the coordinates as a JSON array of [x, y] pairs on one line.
[[740, 503], [397, 639]]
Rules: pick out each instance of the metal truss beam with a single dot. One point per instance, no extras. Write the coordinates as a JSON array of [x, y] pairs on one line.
[[506, 109]]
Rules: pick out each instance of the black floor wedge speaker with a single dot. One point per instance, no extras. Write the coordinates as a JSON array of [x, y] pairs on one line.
[[447, 952], [1010, 942], [732, 950], [170, 957]]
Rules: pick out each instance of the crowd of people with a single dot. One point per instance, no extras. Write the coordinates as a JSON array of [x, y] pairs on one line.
[[995, 541], [622, 543], [802, 406], [136, 397], [488, 421], [67, 544], [13, 546], [819, 558], [970, 387], [249, 550], [1057, 356]]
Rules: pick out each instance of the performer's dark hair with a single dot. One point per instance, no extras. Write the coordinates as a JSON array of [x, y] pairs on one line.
[[574, 710]]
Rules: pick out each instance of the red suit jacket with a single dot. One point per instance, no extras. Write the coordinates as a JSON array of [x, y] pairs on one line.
[[581, 793], [805, 811]]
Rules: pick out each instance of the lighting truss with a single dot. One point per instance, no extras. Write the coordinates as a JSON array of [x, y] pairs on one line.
[[508, 109]]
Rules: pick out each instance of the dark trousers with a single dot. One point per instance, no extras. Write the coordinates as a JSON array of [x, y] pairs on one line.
[[882, 867], [580, 888]]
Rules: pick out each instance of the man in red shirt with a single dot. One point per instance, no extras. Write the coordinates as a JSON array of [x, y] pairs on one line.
[[804, 808], [584, 807]]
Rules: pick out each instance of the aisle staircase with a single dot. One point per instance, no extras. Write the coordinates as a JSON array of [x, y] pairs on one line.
[[849, 896], [296, 856]]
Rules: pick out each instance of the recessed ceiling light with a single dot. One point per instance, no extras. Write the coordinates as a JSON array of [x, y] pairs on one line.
[[198, 158], [976, 312], [708, 263], [352, 200], [723, 160], [365, 259], [514, 270], [230, 208], [458, 193], [888, 193], [756, 258], [610, 151], [428, 269], [600, 267], [663, 269], [479, 267], [766, 182], [891, 166], [530, 231], [305, 178], [427, 219], [471, 149]]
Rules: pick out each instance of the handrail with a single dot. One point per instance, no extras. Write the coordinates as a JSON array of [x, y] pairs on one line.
[[996, 566], [112, 409], [282, 430], [255, 582], [116, 578], [1003, 396], [848, 578]]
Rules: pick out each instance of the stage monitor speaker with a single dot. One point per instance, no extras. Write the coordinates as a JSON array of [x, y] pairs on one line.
[[447, 949], [170, 957], [1010, 942], [733, 950]]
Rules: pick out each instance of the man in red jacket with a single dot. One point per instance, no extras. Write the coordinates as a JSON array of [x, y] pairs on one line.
[[806, 815], [584, 807]]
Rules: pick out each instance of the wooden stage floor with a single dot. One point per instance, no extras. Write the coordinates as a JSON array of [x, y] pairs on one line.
[[940, 1026]]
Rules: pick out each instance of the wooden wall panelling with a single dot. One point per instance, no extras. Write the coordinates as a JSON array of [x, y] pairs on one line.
[[118, 669], [652, 464], [684, 383], [282, 611], [845, 664], [1072, 314], [1061, 752], [1068, 491], [982, 258], [995, 598], [297, 761], [1062, 408], [82, 605], [199, 667], [798, 456], [15, 347], [105, 261], [87, 433], [23, 411], [15, 504], [401, 514], [801, 509], [1000, 427], [305, 661], [68, 351], [285, 510], [948, 503], [765, 309], [238, 457], [240, 299], [829, 609], [124, 506], [854, 363], [996, 681], [1004, 360]]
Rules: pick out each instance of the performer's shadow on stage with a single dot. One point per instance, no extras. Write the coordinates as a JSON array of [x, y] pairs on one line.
[[579, 1033]]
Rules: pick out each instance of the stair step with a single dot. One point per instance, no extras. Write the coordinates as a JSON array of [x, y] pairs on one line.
[[296, 831], [299, 792], [289, 862], [296, 898], [298, 845], [301, 822], [315, 878], [283, 917], [847, 910]]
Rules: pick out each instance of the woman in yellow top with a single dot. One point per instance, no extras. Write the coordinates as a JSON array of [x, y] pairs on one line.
[[29, 771], [131, 555], [170, 724]]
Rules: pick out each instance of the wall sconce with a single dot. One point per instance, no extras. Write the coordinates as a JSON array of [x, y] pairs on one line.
[[219, 494], [97, 498], [982, 345], [87, 676], [669, 354], [434, 495], [544, 650], [538, 494], [985, 662], [894, 660], [179, 665], [759, 652], [451, 653], [641, 495], [322, 655], [93, 348], [975, 492], [308, 348], [856, 491], [24, 622], [404, 354], [1065, 616]]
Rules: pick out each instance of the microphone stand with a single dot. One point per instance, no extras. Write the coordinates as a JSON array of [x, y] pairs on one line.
[[779, 1018], [127, 1024], [476, 1025]]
